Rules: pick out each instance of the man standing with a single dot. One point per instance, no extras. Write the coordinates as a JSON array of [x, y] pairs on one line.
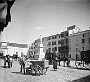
[[5, 16], [22, 62]]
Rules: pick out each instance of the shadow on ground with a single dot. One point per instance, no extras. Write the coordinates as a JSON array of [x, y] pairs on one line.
[[16, 72], [4, 67], [78, 68], [83, 79], [25, 73]]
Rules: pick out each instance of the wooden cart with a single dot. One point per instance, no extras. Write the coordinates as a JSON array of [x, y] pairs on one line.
[[36, 67]]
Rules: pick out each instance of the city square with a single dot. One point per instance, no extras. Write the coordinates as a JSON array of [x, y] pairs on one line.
[[44, 41], [63, 74]]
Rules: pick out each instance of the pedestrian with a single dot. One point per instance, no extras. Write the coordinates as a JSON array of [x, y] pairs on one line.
[[8, 60], [22, 62], [54, 61], [5, 59], [59, 59], [68, 62], [11, 61], [64, 60]]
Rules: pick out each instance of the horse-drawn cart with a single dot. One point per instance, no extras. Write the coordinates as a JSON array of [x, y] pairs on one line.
[[84, 62], [36, 67]]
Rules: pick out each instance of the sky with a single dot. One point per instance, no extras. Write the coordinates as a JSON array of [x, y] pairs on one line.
[[32, 18]]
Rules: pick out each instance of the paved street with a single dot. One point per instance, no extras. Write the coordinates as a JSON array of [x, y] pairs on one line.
[[63, 74]]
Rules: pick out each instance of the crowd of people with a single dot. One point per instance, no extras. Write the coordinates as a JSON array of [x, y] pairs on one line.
[[22, 60]]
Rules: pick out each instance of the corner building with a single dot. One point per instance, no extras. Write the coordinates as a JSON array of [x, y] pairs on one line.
[[78, 42]]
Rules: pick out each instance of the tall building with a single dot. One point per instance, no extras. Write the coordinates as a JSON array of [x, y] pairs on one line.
[[78, 42]]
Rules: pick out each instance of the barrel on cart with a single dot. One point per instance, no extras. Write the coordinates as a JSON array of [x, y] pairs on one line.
[[84, 62]]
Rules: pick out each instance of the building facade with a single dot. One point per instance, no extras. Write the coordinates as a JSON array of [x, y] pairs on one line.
[[78, 42], [57, 42]]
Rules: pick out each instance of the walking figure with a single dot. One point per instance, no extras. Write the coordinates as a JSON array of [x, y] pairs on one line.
[[54, 60]]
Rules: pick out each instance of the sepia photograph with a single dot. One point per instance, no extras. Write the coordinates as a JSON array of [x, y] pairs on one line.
[[44, 40]]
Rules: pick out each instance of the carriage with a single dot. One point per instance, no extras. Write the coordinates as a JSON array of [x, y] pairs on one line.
[[36, 67], [84, 61]]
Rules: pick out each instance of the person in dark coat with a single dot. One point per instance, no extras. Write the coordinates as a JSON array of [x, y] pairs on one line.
[[7, 60], [54, 61], [59, 59]]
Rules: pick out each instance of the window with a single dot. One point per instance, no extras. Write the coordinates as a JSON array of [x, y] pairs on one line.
[[48, 38], [83, 35], [66, 41], [70, 55], [49, 43], [52, 37], [55, 43], [55, 48], [62, 35], [59, 36], [83, 48], [89, 40], [34, 52], [49, 49], [62, 42], [66, 47], [67, 34], [83, 41], [59, 49], [59, 42]]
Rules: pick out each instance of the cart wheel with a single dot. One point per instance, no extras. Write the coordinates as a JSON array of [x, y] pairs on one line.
[[37, 70], [44, 71], [78, 64], [87, 66]]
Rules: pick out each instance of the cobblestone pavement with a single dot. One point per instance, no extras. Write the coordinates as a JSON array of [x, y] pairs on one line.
[[63, 74]]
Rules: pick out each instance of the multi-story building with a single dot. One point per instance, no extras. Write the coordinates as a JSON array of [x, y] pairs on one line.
[[33, 47], [78, 42], [57, 42]]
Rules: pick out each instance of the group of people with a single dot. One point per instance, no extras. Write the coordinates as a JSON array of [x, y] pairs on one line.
[[57, 59], [7, 60]]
